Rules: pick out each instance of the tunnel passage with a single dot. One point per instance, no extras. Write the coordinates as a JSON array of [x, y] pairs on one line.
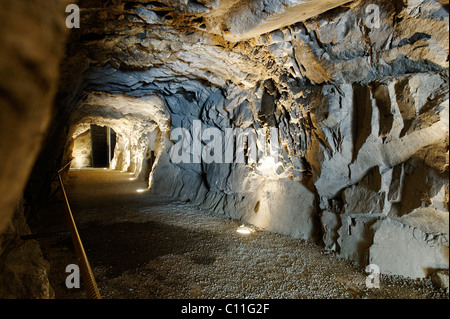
[[103, 144], [347, 99], [93, 146]]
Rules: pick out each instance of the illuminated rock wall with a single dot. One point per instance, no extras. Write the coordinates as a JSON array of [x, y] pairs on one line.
[[360, 110]]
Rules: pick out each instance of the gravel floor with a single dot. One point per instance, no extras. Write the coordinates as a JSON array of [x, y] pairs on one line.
[[140, 246]]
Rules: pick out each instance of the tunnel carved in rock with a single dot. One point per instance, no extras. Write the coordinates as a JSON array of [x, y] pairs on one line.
[[361, 114]]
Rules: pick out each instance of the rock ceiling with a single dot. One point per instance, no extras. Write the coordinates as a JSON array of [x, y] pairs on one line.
[[361, 111]]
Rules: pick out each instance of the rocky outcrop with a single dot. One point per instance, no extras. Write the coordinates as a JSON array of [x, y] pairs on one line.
[[82, 147], [32, 42], [415, 246], [23, 269], [440, 279]]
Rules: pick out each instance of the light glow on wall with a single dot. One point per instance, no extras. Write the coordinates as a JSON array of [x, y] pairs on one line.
[[267, 166]]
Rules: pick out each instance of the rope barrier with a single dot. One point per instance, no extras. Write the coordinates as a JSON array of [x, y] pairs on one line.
[[85, 268]]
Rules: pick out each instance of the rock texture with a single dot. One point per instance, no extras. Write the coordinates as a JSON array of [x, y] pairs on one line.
[[360, 110], [32, 41], [23, 269], [32, 44], [82, 147], [440, 279]]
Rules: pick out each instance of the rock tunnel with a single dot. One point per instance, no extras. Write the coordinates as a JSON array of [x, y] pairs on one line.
[[321, 126]]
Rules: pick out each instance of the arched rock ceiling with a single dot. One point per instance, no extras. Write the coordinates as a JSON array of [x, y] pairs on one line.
[[357, 108], [173, 41], [168, 47], [132, 46]]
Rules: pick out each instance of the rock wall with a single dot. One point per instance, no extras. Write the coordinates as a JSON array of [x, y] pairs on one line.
[[32, 42], [82, 147], [360, 110], [138, 131], [359, 107], [23, 269]]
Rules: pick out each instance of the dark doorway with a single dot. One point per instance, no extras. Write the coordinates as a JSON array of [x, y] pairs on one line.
[[103, 140]]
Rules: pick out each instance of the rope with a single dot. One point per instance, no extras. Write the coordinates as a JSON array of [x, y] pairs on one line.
[[85, 268]]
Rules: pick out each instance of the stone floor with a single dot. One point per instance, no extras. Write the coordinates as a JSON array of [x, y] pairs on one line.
[[141, 247]]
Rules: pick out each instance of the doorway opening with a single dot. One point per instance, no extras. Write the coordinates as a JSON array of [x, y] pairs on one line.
[[103, 140], [93, 146]]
